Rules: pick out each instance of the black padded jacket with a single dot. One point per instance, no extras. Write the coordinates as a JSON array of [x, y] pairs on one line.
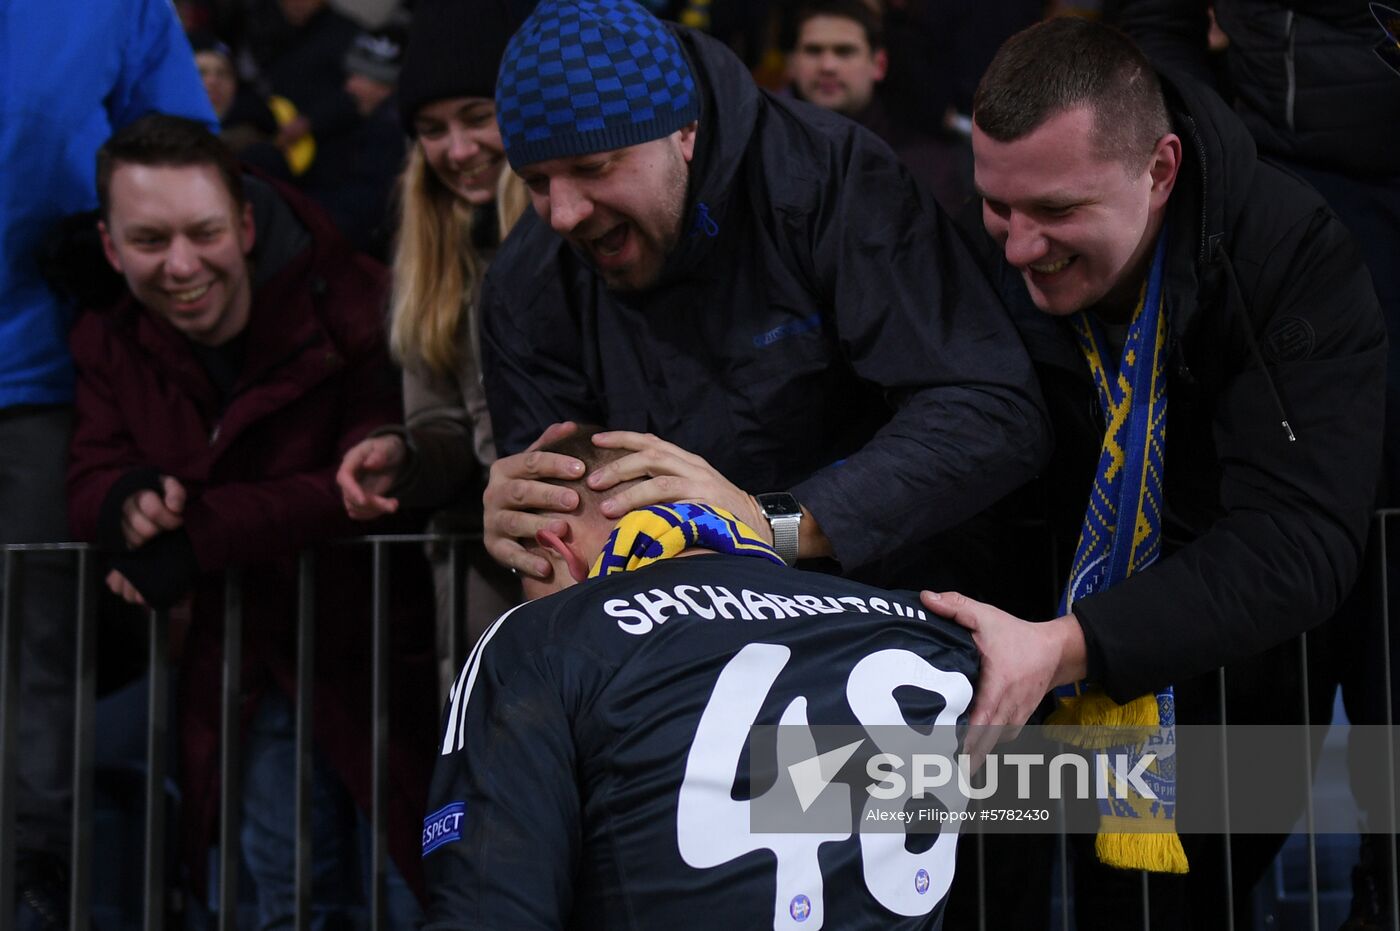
[[821, 328]]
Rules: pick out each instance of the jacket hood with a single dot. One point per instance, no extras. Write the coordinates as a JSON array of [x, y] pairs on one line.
[[723, 138], [1219, 160], [1220, 156], [281, 233]]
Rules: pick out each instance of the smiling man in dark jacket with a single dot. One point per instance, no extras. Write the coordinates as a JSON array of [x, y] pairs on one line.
[[1310, 81], [213, 406], [753, 279], [1117, 199]]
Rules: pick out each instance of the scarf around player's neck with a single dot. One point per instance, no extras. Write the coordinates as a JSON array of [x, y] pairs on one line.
[[661, 531]]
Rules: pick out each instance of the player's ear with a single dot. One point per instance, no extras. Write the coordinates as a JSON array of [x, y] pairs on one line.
[[578, 569]]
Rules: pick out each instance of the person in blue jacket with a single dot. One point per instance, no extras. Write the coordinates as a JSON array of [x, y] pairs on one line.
[[72, 71]]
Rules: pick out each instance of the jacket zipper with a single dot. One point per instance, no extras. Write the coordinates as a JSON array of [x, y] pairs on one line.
[[268, 370], [704, 223], [1289, 69], [1214, 251], [1203, 254], [1236, 299]]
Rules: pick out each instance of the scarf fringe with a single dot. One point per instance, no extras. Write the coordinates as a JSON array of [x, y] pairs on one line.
[[1096, 722], [1156, 853]]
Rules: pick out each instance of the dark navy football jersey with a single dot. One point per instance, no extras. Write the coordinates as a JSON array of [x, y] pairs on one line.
[[594, 771]]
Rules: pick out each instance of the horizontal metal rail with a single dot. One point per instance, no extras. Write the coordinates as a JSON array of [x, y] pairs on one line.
[[155, 885]]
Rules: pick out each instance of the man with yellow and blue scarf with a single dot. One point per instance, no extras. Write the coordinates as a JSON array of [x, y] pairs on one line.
[[1213, 358]]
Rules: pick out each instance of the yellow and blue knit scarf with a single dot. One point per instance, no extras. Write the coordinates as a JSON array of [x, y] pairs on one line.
[[1121, 535], [661, 531]]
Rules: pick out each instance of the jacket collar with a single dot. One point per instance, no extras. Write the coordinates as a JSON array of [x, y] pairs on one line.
[[728, 113], [1218, 163]]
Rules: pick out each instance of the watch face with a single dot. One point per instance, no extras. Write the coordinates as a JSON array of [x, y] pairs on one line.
[[779, 505]]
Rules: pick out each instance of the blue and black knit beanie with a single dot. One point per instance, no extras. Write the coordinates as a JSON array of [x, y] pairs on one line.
[[584, 76]]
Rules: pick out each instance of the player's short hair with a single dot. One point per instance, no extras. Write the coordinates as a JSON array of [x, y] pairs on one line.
[[1069, 62], [864, 13], [158, 139], [579, 445]]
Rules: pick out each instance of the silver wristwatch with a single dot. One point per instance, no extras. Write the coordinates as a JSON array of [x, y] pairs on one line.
[[784, 517]]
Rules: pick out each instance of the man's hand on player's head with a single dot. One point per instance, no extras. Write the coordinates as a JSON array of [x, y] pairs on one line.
[[515, 493], [672, 474]]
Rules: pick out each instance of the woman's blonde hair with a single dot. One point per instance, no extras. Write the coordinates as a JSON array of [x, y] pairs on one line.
[[436, 265]]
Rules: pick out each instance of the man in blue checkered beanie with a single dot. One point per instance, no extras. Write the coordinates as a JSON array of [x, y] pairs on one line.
[[594, 79], [752, 279]]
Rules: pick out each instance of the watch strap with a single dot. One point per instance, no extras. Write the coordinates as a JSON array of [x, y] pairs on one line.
[[784, 517]]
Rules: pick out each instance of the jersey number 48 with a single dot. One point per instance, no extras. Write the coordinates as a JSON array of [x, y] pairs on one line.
[[712, 828]]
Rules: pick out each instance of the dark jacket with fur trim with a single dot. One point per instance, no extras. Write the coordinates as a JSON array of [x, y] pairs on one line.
[[820, 328], [1273, 318], [260, 476]]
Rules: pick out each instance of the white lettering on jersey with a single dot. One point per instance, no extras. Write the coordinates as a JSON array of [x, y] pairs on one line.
[[723, 599], [682, 593], [642, 612]]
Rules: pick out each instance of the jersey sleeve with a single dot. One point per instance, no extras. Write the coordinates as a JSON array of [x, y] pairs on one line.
[[502, 836]]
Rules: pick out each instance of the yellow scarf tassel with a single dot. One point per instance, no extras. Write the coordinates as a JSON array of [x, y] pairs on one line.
[[1096, 722]]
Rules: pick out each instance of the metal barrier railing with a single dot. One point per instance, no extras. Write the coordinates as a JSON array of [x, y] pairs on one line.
[[154, 887], [1375, 574], [1381, 563], [158, 743]]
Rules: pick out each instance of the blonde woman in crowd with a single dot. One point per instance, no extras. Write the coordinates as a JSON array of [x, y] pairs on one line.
[[458, 200]]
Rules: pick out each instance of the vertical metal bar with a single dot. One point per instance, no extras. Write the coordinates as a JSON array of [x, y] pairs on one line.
[[1308, 779], [84, 737], [1058, 574], [157, 764], [456, 606], [230, 771], [1146, 905], [981, 881], [380, 735], [1388, 695], [1064, 868], [1225, 806], [9, 695], [306, 670]]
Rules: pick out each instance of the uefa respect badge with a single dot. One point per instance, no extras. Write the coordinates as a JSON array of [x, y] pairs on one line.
[[443, 826]]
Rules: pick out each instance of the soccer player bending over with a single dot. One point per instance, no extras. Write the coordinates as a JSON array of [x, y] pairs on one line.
[[593, 771]]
